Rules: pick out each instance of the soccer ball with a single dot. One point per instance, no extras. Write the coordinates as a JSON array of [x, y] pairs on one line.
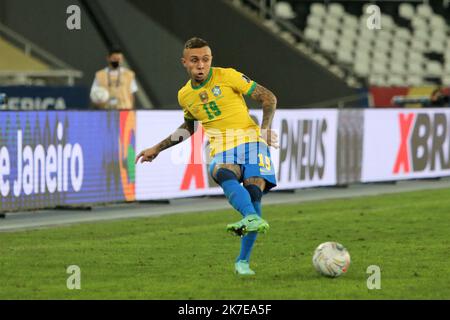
[[99, 95], [331, 259]]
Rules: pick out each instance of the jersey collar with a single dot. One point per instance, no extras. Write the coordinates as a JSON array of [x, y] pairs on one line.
[[204, 82]]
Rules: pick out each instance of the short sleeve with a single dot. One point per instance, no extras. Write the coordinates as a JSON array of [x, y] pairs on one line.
[[94, 84], [240, 82], [186, 113], [133, 86]]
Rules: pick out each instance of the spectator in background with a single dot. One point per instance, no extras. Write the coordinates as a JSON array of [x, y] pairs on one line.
[[119, 81], [439, 98]]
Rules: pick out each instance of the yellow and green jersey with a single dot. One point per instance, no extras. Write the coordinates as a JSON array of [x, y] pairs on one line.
[[219, 105]]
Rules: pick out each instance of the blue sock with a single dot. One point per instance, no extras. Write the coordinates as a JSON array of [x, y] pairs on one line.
[[257, 206], [248, 240], [236, 194]]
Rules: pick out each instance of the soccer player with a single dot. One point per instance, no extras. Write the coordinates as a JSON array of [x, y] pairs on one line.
[[239, 147]]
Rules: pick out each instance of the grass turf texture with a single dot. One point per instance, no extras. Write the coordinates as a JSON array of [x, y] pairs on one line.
[[190, 256]]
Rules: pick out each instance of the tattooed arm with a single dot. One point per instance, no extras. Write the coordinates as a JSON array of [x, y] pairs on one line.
[[269, 105], [268, 102], [182, 133]]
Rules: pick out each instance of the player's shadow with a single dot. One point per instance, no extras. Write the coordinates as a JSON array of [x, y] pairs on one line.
[[300, 276]]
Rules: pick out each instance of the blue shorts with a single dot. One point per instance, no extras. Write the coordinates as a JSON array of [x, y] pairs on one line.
[[254, 160]]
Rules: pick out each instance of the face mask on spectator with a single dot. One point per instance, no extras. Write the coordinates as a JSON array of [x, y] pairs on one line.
[[114, 64]]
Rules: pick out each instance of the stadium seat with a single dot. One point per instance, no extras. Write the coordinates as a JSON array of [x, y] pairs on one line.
[[398, 55], [364, 8], [349, 34], [328, 44], [314, 21], [447, 55], [336, 10], [387, 23], [436, 46], [362, 68], [419, 23], [345, 56], [318, 9], [415, 69], [366, 34], [381, 45], [377, 80], [421, 34], [350, 22], [415, 57], [346, 44], [363, 44], [433, 68], [397, 67], [406, 10], [362, 23], [402, 34], [439, 35], [331, 34], [379, 67], [424, 10], [332, 22], [283, 10], [399, 45], [437, 22], [446, 80], [447, 67], [362, 56], [414, 80], [386, 35], [380, 56], [312, 34], [395, 80], [418, 45]]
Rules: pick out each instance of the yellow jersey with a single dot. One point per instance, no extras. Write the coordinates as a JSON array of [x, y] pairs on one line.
[[219, 105]]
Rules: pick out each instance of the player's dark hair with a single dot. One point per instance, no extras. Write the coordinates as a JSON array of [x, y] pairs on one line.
[[194, 43]]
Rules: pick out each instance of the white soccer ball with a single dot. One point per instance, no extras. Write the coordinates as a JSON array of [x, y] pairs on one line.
[[331, 259], [99, 95]]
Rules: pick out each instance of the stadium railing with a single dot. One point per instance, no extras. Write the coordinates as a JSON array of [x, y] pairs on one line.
[[58, 68]]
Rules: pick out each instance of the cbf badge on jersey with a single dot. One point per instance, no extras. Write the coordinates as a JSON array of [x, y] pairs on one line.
[[216, 91], [204, 96]]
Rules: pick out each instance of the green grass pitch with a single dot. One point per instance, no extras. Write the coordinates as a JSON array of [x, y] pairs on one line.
[[190, 256]]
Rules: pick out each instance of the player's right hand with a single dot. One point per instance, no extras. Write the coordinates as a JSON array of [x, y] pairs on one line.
[[147, 155], [271, 137]]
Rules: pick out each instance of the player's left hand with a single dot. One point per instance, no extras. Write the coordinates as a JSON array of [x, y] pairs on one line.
[[271, 137]]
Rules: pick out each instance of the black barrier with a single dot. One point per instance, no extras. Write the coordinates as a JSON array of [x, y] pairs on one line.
[[44, 98]]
